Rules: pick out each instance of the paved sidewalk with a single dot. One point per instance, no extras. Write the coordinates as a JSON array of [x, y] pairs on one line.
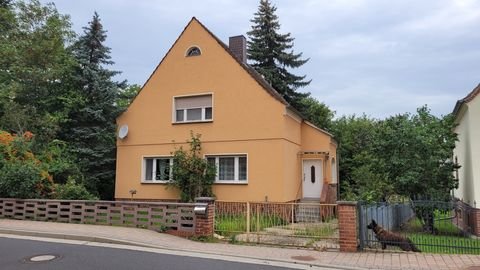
[[147, 238]]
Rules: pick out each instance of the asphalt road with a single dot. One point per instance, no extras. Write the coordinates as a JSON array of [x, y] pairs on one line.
[[15, 254]]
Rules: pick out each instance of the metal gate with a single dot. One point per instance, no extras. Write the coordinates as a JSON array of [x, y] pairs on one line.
[[311, 225], [423, 225]]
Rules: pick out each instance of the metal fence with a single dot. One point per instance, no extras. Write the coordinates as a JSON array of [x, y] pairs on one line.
[[292, 224], [420, 225], [155, 216]]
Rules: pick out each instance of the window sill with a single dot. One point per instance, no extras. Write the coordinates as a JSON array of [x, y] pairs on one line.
[[191, 122], [153, 182], [231, 182]]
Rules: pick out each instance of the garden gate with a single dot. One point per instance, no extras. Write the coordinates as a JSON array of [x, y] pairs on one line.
[[293, 224]]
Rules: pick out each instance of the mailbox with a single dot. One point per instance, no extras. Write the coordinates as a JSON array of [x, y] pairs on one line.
[[200, 209]]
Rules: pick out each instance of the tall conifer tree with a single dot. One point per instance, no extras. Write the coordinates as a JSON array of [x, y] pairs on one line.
[[271, 54], [91, 131]]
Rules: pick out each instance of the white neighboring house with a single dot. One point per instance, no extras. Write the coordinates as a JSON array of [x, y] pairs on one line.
[[467, 148]]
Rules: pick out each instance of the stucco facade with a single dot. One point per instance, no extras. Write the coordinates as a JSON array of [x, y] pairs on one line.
[[467, 148], [246, 119]]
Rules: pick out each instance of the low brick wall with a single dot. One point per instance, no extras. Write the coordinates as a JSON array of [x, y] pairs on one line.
[[175, 218]]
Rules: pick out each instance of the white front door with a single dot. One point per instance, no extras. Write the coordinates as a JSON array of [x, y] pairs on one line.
[[312, 178]]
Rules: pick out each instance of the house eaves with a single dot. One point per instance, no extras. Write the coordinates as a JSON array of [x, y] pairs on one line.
[[465, 100]]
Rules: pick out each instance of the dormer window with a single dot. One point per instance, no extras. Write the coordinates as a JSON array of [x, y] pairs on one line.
[[193, 109], [194, 51]]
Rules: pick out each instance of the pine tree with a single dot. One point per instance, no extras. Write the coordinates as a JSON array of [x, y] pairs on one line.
[[272, 55], [91, 130]]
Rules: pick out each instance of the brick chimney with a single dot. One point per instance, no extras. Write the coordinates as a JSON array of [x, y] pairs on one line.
[[238, 46]]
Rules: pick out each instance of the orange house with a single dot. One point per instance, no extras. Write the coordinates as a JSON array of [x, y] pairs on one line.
[[263, 149]]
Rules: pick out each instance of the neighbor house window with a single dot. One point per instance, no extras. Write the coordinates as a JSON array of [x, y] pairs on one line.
[[157, 169], [230, 168], [193, 109]]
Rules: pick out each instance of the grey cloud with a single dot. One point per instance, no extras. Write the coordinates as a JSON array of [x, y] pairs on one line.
[[374, 56]]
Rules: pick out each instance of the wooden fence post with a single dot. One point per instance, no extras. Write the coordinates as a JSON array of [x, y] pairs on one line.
[[248, 222]]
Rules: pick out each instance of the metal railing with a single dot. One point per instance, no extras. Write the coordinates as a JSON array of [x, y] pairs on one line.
[[150, 215], [430, 226], [295, 224]]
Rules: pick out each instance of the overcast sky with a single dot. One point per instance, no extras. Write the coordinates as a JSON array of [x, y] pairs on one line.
[[379, 57]]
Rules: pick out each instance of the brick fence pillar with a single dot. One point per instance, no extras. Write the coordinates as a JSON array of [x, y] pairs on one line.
[[204, 222], [347, 224], [475, 221]]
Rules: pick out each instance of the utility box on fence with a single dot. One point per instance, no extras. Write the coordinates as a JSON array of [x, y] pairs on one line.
[[200, 209]]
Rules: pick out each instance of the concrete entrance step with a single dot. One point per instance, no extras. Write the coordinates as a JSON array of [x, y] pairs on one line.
[[308, 210]]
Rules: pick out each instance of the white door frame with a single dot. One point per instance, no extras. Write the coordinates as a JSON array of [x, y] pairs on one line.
[[309, 189]]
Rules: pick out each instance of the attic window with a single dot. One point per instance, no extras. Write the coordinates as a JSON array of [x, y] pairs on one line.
[[194, 51]]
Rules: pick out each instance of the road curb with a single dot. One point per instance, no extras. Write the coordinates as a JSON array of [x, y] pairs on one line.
[[107, 240], [97, 239]]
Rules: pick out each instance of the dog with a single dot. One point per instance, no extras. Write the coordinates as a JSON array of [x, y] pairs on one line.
[[393, 239]]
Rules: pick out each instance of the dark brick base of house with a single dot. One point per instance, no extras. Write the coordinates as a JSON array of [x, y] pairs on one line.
[[467, 218]]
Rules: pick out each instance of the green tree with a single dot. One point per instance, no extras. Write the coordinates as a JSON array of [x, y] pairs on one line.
[[35, 75], [90, 131], [360, 171], [193, 176], [127, 95], [6, 16], [417, 150], [406, 155], [272, 55], [35, 67], [317, 112]]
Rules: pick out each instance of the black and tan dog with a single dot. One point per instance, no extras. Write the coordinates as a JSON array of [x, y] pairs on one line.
[[393, 239]]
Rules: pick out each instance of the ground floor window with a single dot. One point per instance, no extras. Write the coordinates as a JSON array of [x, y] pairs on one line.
[[231, 168], [157, 169]]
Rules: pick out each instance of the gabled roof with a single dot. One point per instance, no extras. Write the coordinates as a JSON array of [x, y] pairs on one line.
[[466, 99], [253, 73], [250, 70]]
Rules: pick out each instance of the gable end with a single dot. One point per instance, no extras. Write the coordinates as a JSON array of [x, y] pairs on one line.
[[251, 71]]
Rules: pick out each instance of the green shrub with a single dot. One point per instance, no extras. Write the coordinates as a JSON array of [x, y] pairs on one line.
[[73, 191], [192, 174]]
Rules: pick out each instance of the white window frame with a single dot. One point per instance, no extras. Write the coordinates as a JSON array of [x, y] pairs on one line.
[[144, 167], [174, 110], [236, 167]]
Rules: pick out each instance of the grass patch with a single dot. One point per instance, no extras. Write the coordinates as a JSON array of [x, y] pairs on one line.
[[449, 240], [443, 225], [227, 225], [317, 231], [445, 244]]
